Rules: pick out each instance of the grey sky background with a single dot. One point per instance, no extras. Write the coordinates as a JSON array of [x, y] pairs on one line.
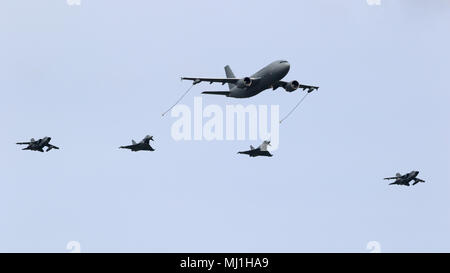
[[97, 75]]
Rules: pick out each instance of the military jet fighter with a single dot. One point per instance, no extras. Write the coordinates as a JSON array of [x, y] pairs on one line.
[[268, 77], [144, 145], [405, 179], [260, 151], [38, 145]]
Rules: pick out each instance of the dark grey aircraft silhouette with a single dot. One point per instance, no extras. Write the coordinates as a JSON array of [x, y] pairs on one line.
[[38, 145], [260, 151], [405, 179], [268, 77], [144, 145]]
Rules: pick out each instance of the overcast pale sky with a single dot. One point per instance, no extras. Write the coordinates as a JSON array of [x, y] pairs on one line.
[[96, 75]]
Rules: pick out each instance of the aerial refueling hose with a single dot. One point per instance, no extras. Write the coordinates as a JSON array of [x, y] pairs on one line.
[[187, 91], [290, 112]]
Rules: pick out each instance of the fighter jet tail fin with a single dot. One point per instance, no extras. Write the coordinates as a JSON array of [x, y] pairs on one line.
[[231, 75], [223, 93]]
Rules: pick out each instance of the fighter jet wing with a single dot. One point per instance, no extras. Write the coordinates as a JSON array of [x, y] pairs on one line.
[[388, 178], [127, 147], [50, 146], [301, 86], [417, 180], [211, 80]]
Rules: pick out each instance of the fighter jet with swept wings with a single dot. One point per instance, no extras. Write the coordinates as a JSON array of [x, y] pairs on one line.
[[144, 145], [405, 179], [260, 151], [268, 77], [38, 145]]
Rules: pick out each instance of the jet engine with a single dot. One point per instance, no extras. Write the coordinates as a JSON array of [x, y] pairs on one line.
[[291, 86], [245, 82]]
